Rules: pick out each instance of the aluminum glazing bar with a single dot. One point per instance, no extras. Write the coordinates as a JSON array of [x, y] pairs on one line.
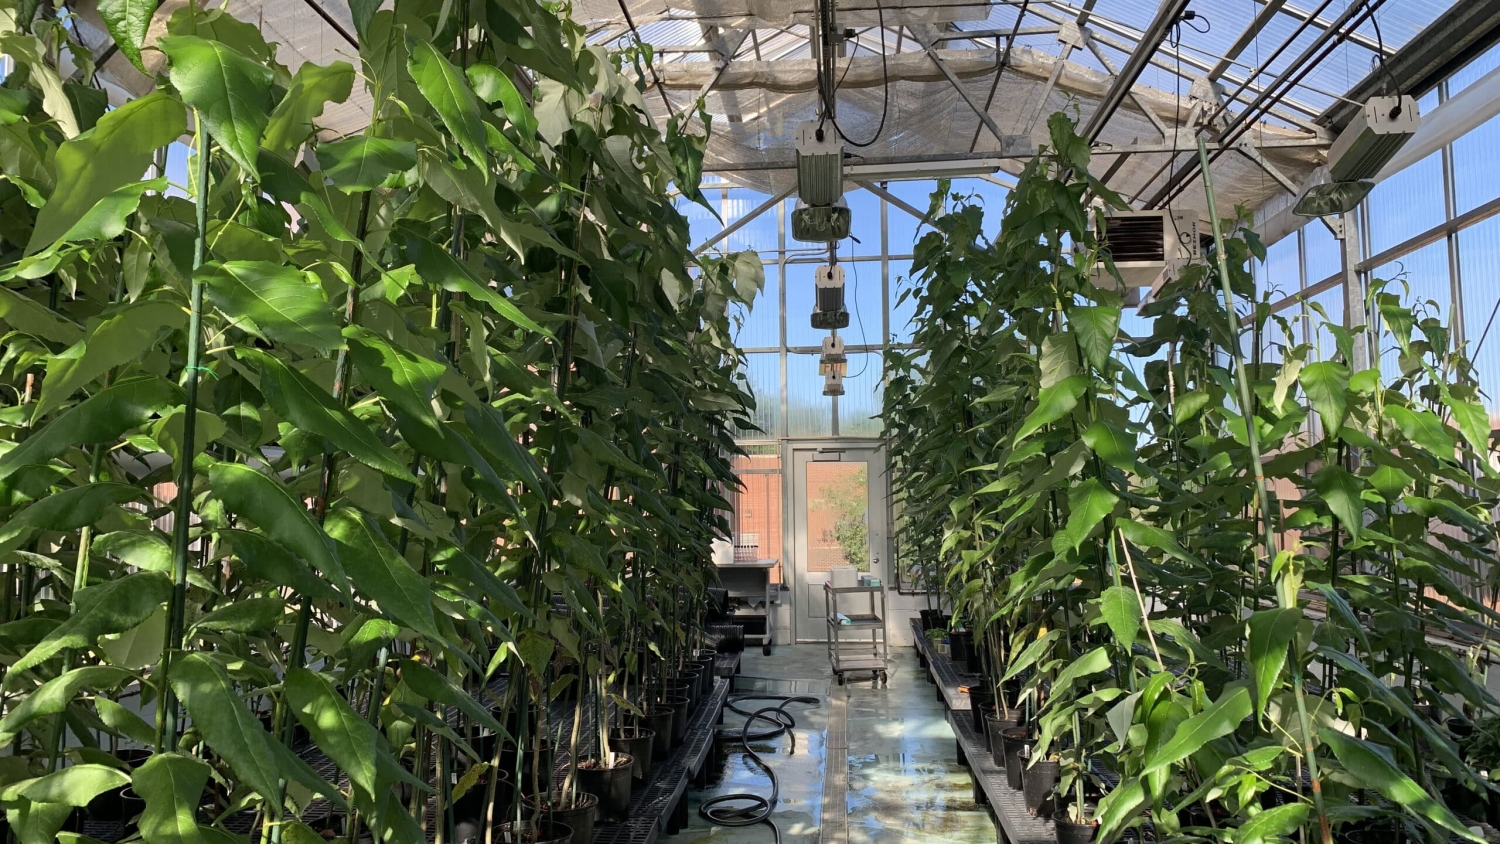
[[1167, 15], [740, 223]]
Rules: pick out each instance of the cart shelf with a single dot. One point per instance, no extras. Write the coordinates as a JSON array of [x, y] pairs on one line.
[[860, 643]]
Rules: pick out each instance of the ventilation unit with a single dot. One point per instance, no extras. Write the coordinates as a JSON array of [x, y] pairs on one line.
[[1150, 247]]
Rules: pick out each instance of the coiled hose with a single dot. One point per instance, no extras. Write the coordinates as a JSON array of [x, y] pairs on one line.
[[754, 809]]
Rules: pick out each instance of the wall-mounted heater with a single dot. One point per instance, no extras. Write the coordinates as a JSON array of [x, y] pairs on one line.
[[1150, 248]]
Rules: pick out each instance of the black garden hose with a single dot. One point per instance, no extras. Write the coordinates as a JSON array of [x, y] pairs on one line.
[[754, 809]]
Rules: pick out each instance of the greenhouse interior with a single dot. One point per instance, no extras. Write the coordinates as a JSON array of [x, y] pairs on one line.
[[608, 422]]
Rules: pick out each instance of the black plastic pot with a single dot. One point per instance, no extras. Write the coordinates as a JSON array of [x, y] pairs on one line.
[[1460, 728], [658, 719], [638, 742], [682, 710], [578, 817], [1016, 739], [959, 644], [533, 832], [1040, 778], [1076, 833], [994, 724], [610, 784], [981, 704], [134, 756], [508, 764], [469, 809], [686, 686], [694, 674], [706, 678]]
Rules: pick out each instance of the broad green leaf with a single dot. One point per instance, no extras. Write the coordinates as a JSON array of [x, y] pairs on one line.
[[113, 154], [1150, 536], [269, 561], [139, 647], [172, 786], [1059, 358], [435, 265], [278, 303], [1118, 807], [1088, 504], [74, 786], [113, 606], [1188, 405], [1122, 612], [103, 418], [313, 87], [1344, 612], [1473, 422], [362, 163], [1219, 719], [1272, 824], [266, 503], [1112, 445], [1424, 429], [230, 92], [381, 574], [448, 91], [127, 22], [124, 722], [439, 689], [1096, 327], [492, 85], [1326, 384], [1091, 663], [217, 710], [245, 615], [54, 696], [350, 740], [401, 377], [312, 409], [68, 510], [1052, 404], [1271, 631], [107, 219], [1341, 492], [1372, 765], [124, 336], [33, 319]]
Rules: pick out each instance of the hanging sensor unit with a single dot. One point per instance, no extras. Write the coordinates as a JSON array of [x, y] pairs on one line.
[[1372, 138], [1150, 247], [820, 163], [828, 306], [833, 384], [833, 358]]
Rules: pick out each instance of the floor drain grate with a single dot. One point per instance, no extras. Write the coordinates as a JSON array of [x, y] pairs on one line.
[[835, 826]]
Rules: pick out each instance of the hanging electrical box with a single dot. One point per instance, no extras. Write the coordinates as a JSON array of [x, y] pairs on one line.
[[833, 384], [828, 306], [820, 163], [833, 358]]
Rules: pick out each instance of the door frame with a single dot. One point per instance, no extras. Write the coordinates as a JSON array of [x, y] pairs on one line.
[[795, 453]]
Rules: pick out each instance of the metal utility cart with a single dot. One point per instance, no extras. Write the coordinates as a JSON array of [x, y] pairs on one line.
[[751, 595], [861, 643]]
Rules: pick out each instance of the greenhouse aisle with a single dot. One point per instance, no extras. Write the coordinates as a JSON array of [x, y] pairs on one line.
[[903, 782]]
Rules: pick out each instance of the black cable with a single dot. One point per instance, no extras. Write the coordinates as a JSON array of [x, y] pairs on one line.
[[829, 89], [756, 809]]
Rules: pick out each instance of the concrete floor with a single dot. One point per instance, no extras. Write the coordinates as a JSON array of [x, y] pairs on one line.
[[904, 784]]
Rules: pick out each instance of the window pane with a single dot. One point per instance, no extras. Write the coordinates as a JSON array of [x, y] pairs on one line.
[[902, 226], [1421, 280], [800, 293], [1479, 260], [859, 406], [1332, 303], [902, 312], [809, 412], [1407, 204], [763, 377], [1475, 180], [760, 233], [762, 325], [1280, 275], [987, 194], [864, 223], [701, 224], [862, 298], [1325, 253]]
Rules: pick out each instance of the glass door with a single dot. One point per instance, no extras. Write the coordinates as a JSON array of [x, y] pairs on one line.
[[838, 515]]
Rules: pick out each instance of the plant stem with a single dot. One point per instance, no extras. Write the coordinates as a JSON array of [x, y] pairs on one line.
[[182, 511], [1263, 497]]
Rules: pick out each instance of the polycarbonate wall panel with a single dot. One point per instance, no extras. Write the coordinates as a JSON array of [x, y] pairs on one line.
[[1479, 265], [800, 296], [809, 412], [763, 376], [1332, 304], [762, 324], [864, 300], [759, 234], [860, 405], [1324, 252], [1421, 279], [903, 300], [1407, 204], [1281, 274], [903, 228]]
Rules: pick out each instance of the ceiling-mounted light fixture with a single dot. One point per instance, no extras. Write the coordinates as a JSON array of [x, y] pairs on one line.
[[1359, 153], [828, 305]]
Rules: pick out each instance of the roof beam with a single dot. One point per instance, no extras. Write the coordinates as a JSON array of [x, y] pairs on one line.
[[1323, 23], [923, 36], [1263, 17], [1167, 15]]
